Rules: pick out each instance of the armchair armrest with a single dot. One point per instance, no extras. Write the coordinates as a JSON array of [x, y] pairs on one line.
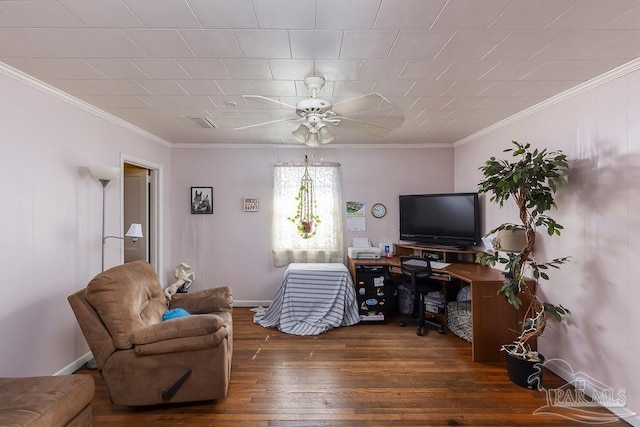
[[206, 301], [184, 327]]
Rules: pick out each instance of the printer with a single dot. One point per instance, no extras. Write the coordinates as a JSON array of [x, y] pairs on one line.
[[364, 253], [362, 249]]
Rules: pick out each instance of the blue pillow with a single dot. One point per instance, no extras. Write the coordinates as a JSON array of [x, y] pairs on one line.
[[175, 313]]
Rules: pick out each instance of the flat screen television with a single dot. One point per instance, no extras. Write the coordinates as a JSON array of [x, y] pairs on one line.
[[440, 219]]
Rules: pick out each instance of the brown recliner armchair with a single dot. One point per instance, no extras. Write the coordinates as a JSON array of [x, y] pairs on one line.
[[145, 360]]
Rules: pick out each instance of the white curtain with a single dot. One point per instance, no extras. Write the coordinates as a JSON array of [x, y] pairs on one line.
[[327, 244]]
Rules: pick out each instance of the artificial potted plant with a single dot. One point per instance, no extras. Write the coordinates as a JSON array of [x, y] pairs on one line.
[[530, 179]]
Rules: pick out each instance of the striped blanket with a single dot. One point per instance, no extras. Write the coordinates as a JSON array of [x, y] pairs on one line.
[[312, 298]]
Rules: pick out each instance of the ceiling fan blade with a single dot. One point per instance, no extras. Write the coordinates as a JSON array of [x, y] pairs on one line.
[[264, 99], [363, 127], [372, 101], [267, 123]]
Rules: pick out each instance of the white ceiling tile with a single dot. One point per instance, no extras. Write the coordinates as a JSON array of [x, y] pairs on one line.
[[224, 13], [43, 13], [531, 15], [407, 14], [505, 88], [307, 44], [264, 43], [162, 101], [471, 44], [349, 89], [113, 101], [291, 69], [56, 41], [469, 15], [206, 68], [628, 21], [336, 70], [419, 44], [276, 88], [594, 68], [462, 102], [575, 44], [523, 44], [10, 20], [80, 87], [239, 87], [212, 43], [546, 88], [367, 44], [464, 69], [434, 102], [429, 88], [102, 13], [424, 70], [466, 88], [160, 68], [346, 15], [554, 70], [388, 89], [285, 14], [196, 101], [14, 46], [200, 87], [115, 68], [163, 14], [160, 43], [248, 68], [512, 70], [166, 113], [221, 101], [380, 70], [162, 87], [108, 42], [123, 87], [593, 14], [624, 46]]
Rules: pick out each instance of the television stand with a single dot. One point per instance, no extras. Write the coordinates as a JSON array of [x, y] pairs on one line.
[[439, 246]]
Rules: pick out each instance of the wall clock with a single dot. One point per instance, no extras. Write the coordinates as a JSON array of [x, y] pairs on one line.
[[378, 210]]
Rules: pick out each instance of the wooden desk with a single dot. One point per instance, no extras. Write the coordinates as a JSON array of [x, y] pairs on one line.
[[494, 321]]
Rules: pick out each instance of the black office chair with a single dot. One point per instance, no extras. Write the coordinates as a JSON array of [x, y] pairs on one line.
[[419, 270]]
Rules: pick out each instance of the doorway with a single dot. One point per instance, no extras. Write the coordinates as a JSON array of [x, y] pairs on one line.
[[141, 204]]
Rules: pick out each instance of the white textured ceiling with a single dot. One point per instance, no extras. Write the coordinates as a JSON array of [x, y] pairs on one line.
[[453, 67]]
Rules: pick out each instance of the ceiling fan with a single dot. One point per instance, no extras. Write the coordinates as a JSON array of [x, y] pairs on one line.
[[372, 114]]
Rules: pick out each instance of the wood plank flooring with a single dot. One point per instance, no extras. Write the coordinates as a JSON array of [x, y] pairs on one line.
[[363, 375]]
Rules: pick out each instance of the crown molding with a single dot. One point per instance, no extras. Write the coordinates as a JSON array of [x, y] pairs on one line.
[[620, 71], [305, 147], [65, 97]]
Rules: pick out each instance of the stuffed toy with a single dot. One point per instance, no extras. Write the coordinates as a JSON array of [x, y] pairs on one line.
[[185, 276]]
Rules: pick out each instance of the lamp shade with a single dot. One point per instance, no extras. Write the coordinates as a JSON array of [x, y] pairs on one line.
[[313, 140], [325, 135], [301, 134], [134, 232], [106, 173]]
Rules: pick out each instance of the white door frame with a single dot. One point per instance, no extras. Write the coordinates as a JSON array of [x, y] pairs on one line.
[[157, 202]]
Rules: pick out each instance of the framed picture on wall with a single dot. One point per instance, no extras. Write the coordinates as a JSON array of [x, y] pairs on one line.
[[201, 200]]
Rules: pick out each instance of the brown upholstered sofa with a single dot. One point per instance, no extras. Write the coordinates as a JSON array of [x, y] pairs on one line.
[[145, 360], [63, 400]]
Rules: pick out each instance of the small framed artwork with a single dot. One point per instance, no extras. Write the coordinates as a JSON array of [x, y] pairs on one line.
[[251, 204], [201, 200]]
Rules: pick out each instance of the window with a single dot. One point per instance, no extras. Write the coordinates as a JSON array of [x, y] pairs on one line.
[[288, 245]]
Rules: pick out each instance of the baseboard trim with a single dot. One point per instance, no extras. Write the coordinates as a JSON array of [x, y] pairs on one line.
[[75, 365], [569, 376]]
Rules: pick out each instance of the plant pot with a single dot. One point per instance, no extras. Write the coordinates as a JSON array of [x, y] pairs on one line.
[[525, 373], [511, 240]]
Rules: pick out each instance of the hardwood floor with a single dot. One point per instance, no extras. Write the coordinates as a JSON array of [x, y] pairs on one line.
[[363, 375]]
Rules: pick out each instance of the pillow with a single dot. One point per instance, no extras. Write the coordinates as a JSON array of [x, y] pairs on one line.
[[175, 313]]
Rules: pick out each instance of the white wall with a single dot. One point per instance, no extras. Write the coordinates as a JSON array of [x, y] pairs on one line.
[[599, 130], [50, 221], [233, 247]]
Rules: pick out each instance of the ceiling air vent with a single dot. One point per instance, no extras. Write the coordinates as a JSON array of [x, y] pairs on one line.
[[204, 122]]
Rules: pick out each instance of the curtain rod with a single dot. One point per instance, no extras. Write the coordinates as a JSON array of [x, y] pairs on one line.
[[310, 164]]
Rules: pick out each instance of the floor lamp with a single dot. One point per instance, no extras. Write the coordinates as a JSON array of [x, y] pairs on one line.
[[104, 174]]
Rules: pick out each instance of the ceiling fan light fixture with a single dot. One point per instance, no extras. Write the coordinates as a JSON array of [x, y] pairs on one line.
[[325, 134], [301, 134], [313, 140]]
